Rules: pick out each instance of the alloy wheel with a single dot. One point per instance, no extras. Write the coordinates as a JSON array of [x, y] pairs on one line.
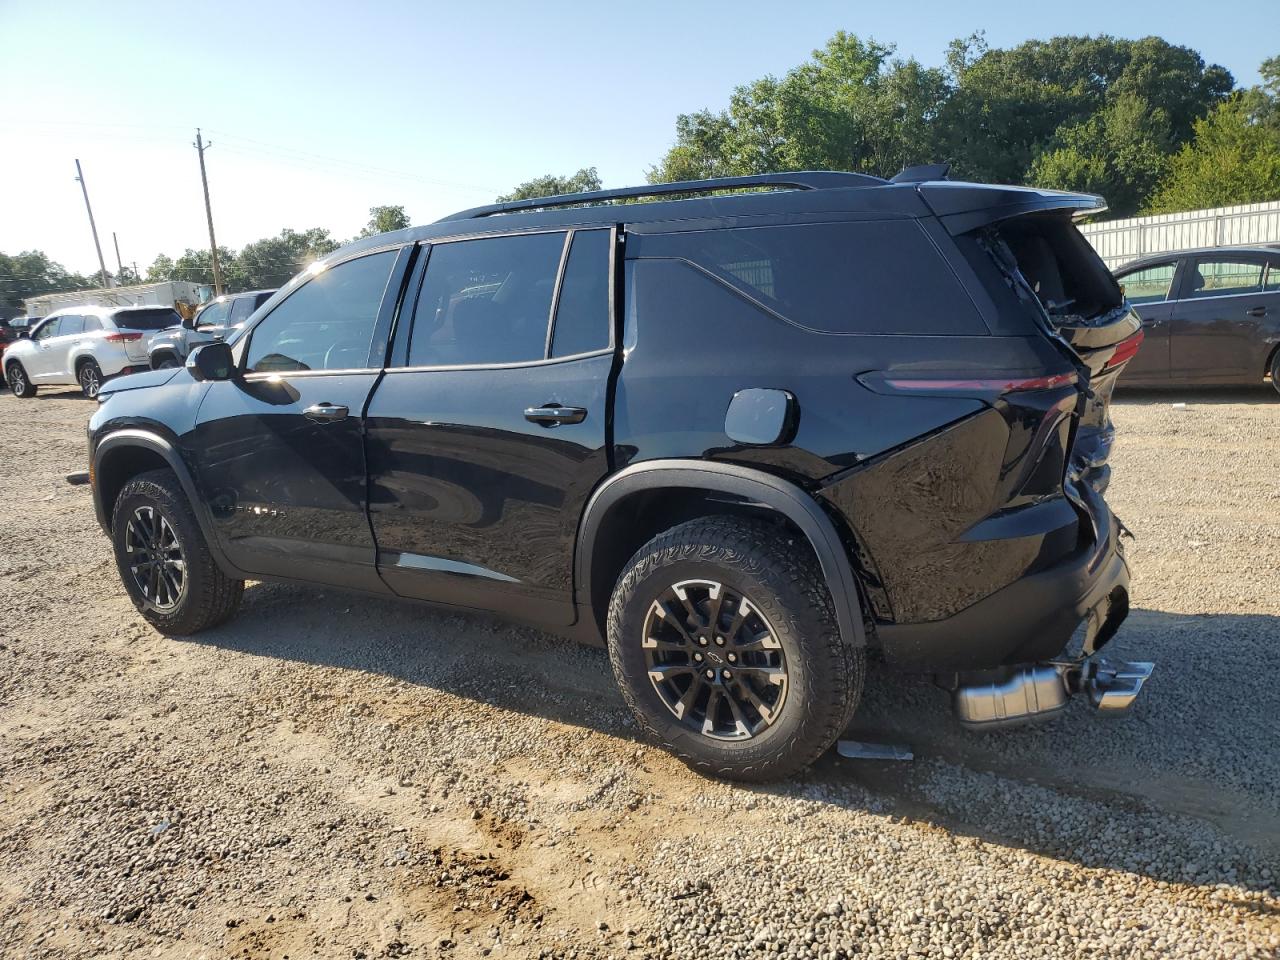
[[155, 558], [17, 380], [90, 380], [714, 660]]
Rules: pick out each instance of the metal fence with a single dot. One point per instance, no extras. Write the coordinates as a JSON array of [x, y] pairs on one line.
[[1119, 241]]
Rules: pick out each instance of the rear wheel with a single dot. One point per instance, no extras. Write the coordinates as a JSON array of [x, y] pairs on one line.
[[164, 561], [723, 640], [90, 377], [19, 383], [1275, 371]]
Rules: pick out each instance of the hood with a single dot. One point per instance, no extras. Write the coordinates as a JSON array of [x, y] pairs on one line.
[[139, 381]]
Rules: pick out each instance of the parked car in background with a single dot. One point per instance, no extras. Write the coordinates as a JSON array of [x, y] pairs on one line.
[[216, 320], [85, 346], [746, 440], [1211, 317]]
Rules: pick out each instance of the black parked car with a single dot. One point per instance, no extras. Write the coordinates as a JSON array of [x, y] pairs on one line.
[[1211, 317], [745, 439]]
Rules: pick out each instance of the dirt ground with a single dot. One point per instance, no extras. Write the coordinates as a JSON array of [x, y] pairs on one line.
[[333, 776]]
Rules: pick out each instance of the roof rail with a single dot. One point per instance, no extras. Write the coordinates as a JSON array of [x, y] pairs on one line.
[[804, 180]]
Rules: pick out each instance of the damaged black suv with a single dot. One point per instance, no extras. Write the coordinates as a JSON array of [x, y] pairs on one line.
[[746, 432]]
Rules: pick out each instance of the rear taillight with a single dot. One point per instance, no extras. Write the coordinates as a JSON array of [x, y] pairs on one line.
[[123, 337], [1126, 349]]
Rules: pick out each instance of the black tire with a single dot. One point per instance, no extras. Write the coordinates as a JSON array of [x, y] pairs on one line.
[[89, 376], [1275, 371], [779, 581], [206, 597], [166, 361], [19, 384]]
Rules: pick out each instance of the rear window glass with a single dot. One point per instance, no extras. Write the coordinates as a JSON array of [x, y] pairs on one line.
[[876, 277], [145, 319]]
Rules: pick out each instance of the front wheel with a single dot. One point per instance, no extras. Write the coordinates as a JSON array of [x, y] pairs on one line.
[[164, 561], [19, 383], [723, 640], [90, 377]]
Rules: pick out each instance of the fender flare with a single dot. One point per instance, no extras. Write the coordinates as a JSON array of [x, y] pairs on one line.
[[755, 487], [156, 443]]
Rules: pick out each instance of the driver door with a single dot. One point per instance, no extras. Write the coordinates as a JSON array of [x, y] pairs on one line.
[[42, 362], [280, 448]]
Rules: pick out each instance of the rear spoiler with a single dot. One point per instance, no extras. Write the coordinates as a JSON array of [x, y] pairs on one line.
[[963, 207]]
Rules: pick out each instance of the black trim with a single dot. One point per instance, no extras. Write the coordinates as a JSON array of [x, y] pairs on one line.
[[145, 439], [757, 487]]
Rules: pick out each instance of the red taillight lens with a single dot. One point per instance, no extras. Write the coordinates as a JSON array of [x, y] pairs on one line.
[[984, 385], [1126, 349], [123, 337]]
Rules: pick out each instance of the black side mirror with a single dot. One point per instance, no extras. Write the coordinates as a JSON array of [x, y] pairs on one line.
[[213, 361], [189, 322]]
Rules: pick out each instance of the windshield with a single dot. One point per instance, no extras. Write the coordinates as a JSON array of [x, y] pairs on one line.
[[157, 318]]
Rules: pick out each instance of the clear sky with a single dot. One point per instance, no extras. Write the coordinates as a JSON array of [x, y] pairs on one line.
[[319, 110]]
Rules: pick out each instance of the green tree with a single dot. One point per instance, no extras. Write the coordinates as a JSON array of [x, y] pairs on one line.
[[551, 185], [384, 220], [196, 266], [31, 274], [850, 107], [270, 262], [1235, 158], [162, 268]]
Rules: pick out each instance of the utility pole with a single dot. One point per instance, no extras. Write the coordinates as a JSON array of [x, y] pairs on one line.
[[119, 264], [102, 264], [201, 147]]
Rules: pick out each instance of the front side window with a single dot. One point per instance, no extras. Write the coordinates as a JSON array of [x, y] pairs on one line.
[[1220, 278], [241, 308], [50, 329], [582, 312], [215, 314], [327, 323], [1150, 284], [486, 301]]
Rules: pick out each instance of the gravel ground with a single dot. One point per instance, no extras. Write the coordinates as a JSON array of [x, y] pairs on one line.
[[333, 776]]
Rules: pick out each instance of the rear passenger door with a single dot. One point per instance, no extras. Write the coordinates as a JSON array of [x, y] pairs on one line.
[[488, 433], [1150, 289], [1218, 323]]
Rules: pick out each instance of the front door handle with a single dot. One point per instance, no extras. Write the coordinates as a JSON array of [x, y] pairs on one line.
[[1256, 312], [326, 412], [553, 414]]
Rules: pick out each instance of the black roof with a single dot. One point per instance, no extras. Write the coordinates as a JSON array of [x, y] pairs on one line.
[[687, 205]]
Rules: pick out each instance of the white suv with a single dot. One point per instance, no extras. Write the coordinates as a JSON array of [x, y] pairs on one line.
[[85, 346]]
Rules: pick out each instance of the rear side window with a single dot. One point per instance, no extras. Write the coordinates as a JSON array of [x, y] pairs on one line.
[[486, 301], [1273, 276], [875, 277], [241, 308], [71, 325], [147, 319], [582, 312], [92, 324], [1150, 284]]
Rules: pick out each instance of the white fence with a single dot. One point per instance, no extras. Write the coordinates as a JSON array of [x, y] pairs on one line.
[[1119, 241]]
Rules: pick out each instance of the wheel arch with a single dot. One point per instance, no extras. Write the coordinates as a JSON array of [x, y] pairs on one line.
[[622, 516], [124, 454]]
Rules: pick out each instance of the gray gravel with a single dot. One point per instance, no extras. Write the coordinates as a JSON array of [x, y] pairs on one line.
[[336, 776]]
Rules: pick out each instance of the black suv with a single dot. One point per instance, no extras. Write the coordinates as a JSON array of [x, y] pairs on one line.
[[747, 432]]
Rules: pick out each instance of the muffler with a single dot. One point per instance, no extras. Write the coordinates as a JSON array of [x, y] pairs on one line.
[[1038, 691]]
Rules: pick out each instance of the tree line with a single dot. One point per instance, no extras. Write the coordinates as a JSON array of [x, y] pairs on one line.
[[1147, 124]]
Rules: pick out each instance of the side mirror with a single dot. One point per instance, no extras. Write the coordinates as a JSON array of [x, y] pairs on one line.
[[24, 334], [189, 322], [213, 361]]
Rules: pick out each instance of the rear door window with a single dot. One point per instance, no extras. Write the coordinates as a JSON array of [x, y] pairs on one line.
[[582, 311], [1273, 277], [325, 324], [486, 301], [1223, 278], [71, 325], [1150, 284], [873, 277]]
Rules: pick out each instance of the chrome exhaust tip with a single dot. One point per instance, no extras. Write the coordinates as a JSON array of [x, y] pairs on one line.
[[1114, 685]]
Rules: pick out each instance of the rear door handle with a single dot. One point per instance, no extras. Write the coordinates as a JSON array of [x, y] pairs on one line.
[[552, 415], [1256, 312], [326, 412]]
